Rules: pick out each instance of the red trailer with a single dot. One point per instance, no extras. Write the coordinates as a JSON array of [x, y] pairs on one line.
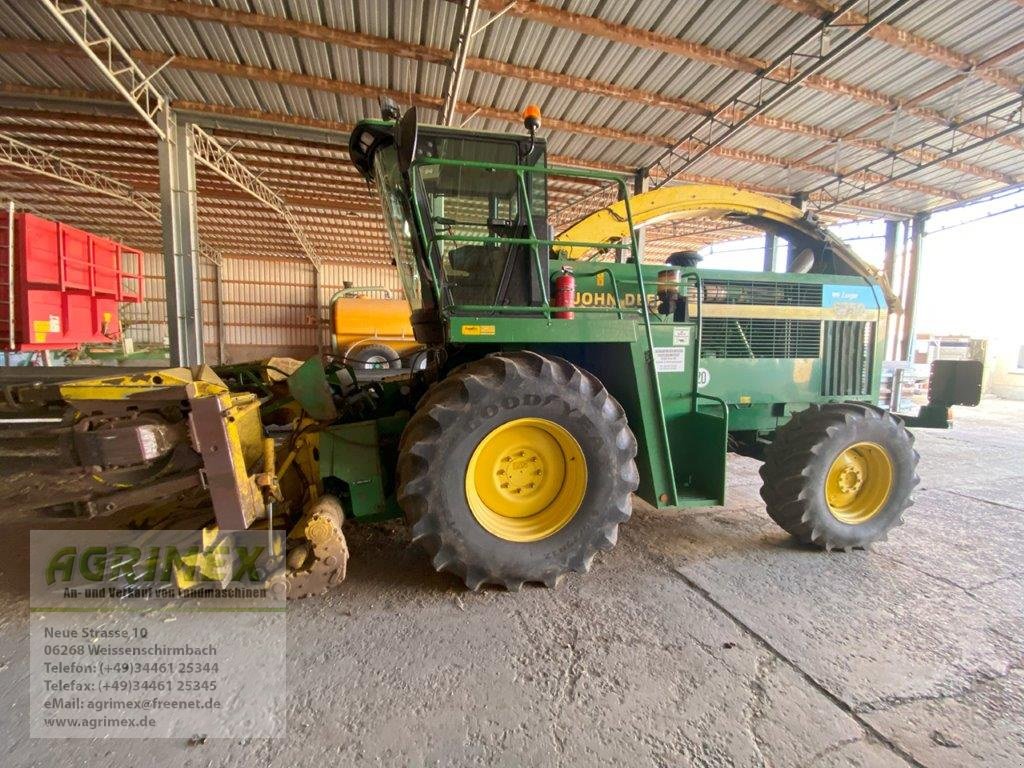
[[67, 284]]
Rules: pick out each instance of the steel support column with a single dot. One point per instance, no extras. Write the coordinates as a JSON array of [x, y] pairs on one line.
[[770, 251], [181, 242], [10, 280], [798, 200], [465, 19], [892, 235], [917, 228], [641, 184], [219, 277], [318, 309]]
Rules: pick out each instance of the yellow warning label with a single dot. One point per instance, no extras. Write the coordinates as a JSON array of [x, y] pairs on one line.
[[478, 330], [39, 330]]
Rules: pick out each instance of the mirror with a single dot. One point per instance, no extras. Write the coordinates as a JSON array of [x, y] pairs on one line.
[[405, 140]]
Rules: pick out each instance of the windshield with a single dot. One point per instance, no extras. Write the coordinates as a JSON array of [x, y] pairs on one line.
[[398, 224], [467, 205]]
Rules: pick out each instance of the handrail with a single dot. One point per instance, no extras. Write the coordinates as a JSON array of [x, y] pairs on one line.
[[532, 242], [646, 314], [341, 294], [542, 279], [498, 240], [524, 310], [615, 285]]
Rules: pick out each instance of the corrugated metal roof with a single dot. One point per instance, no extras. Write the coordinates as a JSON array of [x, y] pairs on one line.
[[879, 95]]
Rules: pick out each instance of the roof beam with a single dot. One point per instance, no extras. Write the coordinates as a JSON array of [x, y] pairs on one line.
[[358, 90], [43, 162], [526, 9], [643, 38], [85, 27], [210, 153], [503, 69], [283, 26], [908, 41], [92, 37], [1004, 119], [621, 33], [727, 112], [555, 17], [46, 163], [266, 120], [310, 168], [770, 87]]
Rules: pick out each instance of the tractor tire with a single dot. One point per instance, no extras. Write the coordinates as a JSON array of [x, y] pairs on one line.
[[516, 468], [840, 475], [373, 357]]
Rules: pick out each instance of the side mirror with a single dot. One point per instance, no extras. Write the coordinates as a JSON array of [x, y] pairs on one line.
[[405, 140]]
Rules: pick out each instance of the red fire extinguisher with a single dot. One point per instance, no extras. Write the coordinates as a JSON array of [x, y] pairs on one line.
[[564, 294]]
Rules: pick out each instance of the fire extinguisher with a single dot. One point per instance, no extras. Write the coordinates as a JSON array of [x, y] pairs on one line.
[[564, 294]]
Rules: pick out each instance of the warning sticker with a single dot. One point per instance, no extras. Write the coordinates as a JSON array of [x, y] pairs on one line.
[[478, 330], [681, 336], [669, 360], [54, 323]]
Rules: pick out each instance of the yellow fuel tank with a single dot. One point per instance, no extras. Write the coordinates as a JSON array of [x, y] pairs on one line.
[[365, 322]]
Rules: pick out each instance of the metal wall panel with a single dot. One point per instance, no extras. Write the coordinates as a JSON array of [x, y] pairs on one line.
[[267, 303]]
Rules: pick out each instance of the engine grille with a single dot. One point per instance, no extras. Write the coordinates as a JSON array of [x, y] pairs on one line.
[[776, 294], [755, 338], [847, 358]]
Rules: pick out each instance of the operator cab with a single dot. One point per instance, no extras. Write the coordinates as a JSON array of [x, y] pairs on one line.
[[452, 200]]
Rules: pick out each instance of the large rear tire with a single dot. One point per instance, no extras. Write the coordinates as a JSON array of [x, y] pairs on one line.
[[840, 475], [516, 468]]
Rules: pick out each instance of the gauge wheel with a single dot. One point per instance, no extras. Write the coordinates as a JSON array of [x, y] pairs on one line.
[[840, 475], [516, 468]]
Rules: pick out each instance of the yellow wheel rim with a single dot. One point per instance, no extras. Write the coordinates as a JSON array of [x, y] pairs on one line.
[[859, 483], [526, 480]]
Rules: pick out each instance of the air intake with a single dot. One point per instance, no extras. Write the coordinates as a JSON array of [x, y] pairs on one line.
[[777, 294], [753, 338], [847, 358]]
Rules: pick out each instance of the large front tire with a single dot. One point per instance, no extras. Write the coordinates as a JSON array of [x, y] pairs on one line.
[[516, 468], [840, 475]]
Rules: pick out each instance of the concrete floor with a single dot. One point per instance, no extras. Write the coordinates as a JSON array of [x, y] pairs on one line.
[[705, 638]]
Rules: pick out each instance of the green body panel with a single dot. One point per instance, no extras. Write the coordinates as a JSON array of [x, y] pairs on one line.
[[310, 388], [351, 455], [531, 330]]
